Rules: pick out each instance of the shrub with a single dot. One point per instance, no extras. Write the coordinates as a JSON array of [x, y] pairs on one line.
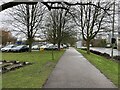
[[99, 53], [117, 58]]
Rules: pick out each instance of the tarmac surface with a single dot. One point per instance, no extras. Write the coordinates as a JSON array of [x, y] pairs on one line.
[[106, 50], [74, 71]]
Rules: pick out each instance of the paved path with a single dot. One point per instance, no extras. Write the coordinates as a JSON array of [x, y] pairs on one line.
[[74, 71]]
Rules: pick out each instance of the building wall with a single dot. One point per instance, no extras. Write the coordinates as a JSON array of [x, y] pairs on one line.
[[118, 46], [79, 44]]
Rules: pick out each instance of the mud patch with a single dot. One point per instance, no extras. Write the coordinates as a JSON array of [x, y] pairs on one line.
[[6, 66]]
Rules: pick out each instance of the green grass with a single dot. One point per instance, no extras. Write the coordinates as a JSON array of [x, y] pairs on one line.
[[108, 67], [31, 76]]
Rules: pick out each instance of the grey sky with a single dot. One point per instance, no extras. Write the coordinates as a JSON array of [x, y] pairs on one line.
[[3, 16]]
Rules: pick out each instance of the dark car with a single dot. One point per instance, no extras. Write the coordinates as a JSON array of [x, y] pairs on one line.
[[21, 48]]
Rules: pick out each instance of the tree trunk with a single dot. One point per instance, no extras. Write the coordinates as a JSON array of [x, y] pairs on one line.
[[59, 46], [30, 47], [88, 46], [30, 40]]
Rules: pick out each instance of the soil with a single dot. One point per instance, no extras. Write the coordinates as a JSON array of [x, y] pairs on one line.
[[7, 66]]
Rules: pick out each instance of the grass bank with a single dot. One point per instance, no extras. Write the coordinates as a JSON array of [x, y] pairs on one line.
[[108, 67], [31, 76]]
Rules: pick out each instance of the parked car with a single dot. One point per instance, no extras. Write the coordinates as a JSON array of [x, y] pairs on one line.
[[42, 47], [53, 47], [7, 48], [108, 46], [64, 46], [21, 48], [35, 47]]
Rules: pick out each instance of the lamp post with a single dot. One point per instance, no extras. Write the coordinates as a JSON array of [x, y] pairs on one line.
[[113, 27]]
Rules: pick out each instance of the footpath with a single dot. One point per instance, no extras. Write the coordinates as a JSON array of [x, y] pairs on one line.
[[74, 71]]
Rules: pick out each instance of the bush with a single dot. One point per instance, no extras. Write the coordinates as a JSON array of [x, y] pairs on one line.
[[99, 42], [117, 58], [106, 55], [98, 53]]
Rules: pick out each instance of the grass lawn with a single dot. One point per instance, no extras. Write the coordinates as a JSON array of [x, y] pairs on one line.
[[108, 67], [31, 76]]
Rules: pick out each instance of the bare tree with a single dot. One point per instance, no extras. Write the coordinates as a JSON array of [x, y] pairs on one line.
[[90, 19], [27, 19], [59, 25], [6, 36], [91, 16]]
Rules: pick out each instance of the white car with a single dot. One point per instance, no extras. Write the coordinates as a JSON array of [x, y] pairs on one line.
[[44, 46], [7, 48], [52, 47], [108, 45], [35, 47], [64, 46]]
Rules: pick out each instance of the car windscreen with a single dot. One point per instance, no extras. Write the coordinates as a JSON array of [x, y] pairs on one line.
[[9, 46], [18, 47]]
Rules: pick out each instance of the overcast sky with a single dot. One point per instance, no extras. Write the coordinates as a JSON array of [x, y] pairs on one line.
[[3, 16]]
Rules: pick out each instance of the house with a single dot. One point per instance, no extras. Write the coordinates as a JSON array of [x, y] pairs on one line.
[[79, 44]]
